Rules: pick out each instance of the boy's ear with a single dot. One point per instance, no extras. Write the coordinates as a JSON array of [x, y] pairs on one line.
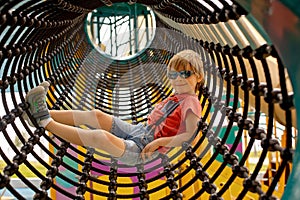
[[199, 78]]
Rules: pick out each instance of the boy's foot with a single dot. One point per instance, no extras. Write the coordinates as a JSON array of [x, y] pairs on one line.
[[46, 86], [38, 107]]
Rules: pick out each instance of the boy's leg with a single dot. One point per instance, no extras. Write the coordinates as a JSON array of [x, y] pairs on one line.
[[94, 118], [100, 139], [95, 138]]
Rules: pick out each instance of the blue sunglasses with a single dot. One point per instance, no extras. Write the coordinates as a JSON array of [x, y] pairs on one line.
[[183, 74]]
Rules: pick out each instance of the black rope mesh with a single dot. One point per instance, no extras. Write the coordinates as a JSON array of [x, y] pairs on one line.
[[46, 40]]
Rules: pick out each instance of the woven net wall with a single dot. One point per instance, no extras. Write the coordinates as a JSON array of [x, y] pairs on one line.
[[246, 85]]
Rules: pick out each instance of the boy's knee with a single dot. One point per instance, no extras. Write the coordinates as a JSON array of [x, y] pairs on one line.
[[100, 115], [103, 120], [97, 113]]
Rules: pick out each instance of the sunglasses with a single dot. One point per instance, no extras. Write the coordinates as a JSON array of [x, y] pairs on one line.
[[183, 74]]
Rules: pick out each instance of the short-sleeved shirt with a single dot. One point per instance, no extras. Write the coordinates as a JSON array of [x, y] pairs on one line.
[[175, 122]]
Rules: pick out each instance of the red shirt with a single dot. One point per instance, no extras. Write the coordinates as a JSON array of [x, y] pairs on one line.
[[175, 122]]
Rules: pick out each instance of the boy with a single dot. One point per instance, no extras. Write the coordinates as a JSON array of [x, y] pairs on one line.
[[131, 144]]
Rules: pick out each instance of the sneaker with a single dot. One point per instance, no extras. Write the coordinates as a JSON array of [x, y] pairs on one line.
[[46, 86], [38, 107]]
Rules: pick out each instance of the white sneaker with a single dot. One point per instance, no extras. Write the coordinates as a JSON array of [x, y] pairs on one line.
[[38, 107], [46, 86]]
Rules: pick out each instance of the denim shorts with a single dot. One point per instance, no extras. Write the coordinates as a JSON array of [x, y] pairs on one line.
[[136, 137]]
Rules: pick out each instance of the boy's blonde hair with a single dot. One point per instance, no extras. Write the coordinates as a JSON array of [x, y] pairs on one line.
[[185, 58]]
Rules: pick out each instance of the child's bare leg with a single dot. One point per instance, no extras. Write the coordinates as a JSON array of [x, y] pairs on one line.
[[100, 139], [95, 138], [94, 118]]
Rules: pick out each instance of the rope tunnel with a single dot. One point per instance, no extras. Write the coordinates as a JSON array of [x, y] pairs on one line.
[[247, 145]]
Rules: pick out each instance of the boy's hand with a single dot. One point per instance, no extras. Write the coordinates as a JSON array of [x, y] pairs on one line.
[[149, 149]]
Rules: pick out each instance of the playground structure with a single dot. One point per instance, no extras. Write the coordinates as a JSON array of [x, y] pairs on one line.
[[250, 57]]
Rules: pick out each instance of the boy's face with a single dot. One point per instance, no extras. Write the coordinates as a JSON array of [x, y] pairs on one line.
[[184, 85]]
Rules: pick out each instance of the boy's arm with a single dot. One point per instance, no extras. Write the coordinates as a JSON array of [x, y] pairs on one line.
[[173, 141]]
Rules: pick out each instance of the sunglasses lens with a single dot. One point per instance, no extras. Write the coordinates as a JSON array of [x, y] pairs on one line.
[[183, 74], [172, 75]]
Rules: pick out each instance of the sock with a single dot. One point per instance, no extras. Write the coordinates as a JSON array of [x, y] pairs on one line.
[[45, 122]]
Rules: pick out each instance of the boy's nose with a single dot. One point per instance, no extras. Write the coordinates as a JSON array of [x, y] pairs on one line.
[[179, 78]]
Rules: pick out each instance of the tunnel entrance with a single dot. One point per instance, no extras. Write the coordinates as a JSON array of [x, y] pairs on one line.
[[121, 30]]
